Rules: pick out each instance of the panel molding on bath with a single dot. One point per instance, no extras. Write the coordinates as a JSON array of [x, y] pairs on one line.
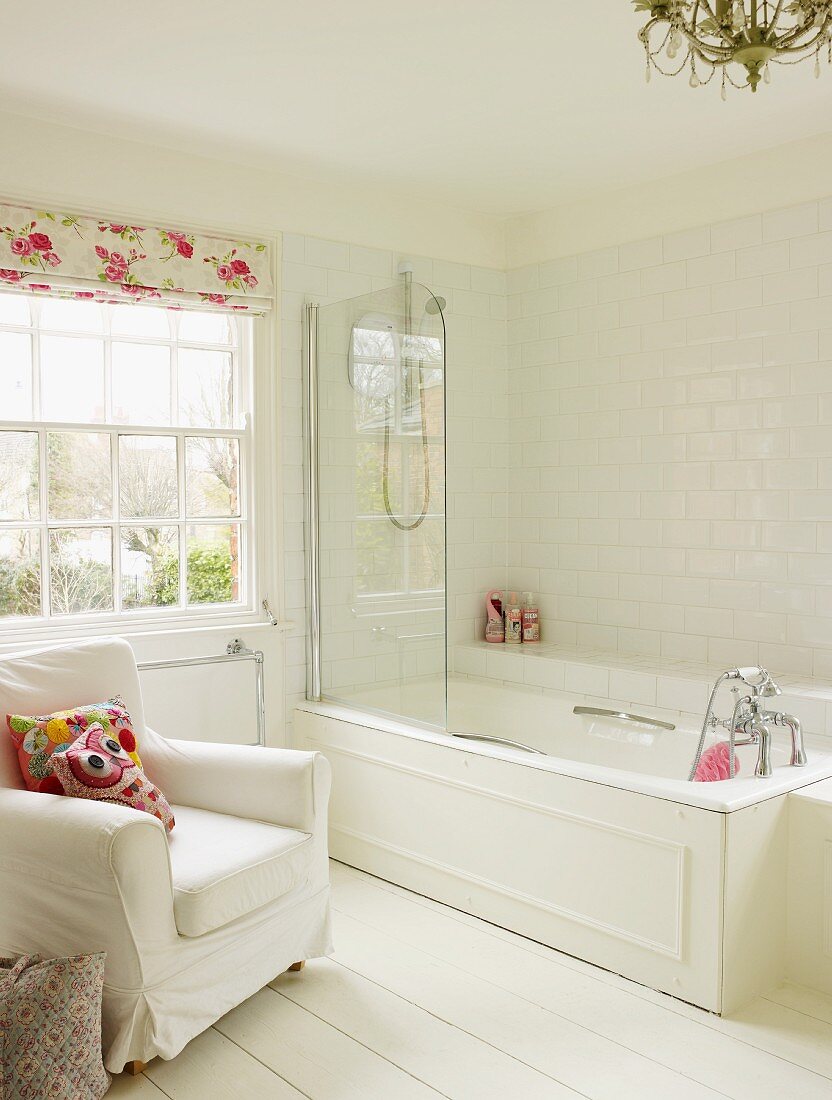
[[672, 949]]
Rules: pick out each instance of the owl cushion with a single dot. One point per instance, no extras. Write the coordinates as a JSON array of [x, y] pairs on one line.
[[37, 738], [96, 766]]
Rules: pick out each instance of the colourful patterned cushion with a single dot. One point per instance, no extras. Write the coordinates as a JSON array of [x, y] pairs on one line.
[[50, 1028], [38, 737], [96, 766]]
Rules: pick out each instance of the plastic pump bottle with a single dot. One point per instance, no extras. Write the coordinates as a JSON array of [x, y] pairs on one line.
[[514, 621], [531, 619]]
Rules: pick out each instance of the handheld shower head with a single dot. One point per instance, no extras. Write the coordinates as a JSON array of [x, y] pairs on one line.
[[435, 304], [748, 673], [768, 688], [758, 679]]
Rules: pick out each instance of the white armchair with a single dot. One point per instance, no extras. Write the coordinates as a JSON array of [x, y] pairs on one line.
[[193, 922]]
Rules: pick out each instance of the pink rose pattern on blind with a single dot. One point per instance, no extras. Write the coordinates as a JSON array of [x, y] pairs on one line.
[[113, 262]]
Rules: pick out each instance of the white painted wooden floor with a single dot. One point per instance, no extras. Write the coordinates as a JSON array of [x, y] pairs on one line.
[[422, 1001]]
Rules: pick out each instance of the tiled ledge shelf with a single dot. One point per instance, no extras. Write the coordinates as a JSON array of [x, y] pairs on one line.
[[653, 683]]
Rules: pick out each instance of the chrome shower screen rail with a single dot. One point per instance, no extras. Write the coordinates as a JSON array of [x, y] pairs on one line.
[[312, 479]]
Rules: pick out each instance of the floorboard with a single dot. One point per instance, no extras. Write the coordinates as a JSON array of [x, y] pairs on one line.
[[449, 1060], [313, 1055], [213, 1066], [421, 1002], [689, 1046], [551, 1043], [126, 1087], [808, 1001]]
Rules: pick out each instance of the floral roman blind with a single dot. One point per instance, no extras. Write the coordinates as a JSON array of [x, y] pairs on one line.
[[64, 255]]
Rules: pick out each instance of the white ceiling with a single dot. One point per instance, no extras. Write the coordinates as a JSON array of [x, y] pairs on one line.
[[504, 106]]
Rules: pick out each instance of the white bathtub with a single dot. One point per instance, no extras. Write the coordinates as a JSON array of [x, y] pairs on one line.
[[598, 847]]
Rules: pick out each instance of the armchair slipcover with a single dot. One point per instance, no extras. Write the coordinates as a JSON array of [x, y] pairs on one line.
[[192, 923]]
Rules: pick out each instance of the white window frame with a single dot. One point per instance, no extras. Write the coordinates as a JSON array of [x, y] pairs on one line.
[[260, 567]]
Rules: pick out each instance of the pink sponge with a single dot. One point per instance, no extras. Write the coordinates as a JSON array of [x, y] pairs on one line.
[[714, 764]]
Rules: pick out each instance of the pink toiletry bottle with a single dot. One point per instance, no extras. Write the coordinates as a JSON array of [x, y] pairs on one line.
[[514, 621], [531, 619], [495, 630]]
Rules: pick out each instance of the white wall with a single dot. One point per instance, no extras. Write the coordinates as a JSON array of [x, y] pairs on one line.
[[671, 469], [43, 162], [773, 178]]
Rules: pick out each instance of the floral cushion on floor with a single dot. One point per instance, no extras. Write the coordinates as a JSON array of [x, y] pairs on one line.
[[50, 1028], [38, 737], [95, 766]]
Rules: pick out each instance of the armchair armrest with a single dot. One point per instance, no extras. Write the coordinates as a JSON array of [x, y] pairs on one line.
[[78, 876], [284, 787]]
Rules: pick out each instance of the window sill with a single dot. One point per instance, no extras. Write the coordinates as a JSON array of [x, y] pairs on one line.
[[24, 635]]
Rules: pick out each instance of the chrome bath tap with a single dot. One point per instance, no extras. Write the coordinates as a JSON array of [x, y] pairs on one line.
[[752, 722]]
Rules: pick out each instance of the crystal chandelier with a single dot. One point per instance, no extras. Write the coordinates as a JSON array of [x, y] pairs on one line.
[[712, 35]]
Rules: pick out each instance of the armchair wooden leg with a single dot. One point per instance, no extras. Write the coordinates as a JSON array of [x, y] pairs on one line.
[[297, 967], [135, 1068]]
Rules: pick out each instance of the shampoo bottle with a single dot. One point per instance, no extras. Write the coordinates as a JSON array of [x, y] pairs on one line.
[[514, 621], [495, 630], [531, 619]]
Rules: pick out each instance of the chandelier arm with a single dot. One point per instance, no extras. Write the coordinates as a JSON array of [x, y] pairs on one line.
[[720, 54], [644, 33], [723, 34], [719, 51], [791, 34], [783, 45], [794, 33], [654, 53], [775, 19], [793, 61]]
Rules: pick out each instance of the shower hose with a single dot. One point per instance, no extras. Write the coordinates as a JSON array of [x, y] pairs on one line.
[[705, 723], [385, 476]]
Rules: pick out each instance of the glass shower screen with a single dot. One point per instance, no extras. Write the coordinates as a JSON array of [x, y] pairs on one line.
[[378, 502]]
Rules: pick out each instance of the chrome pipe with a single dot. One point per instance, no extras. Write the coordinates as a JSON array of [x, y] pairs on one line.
[[654, 723], [732, 734], [763, 769], [236, 651], [313, 539], [798, 758]]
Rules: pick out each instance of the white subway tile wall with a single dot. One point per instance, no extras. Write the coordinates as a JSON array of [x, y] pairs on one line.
[[641, 435], [670, 461], [477, 432]]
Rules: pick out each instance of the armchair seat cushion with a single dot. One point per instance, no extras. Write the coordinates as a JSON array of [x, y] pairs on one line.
[[224, 867]]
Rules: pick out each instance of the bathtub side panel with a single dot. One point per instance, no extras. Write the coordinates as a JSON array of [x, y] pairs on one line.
[[755, 898], [627, 881]]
